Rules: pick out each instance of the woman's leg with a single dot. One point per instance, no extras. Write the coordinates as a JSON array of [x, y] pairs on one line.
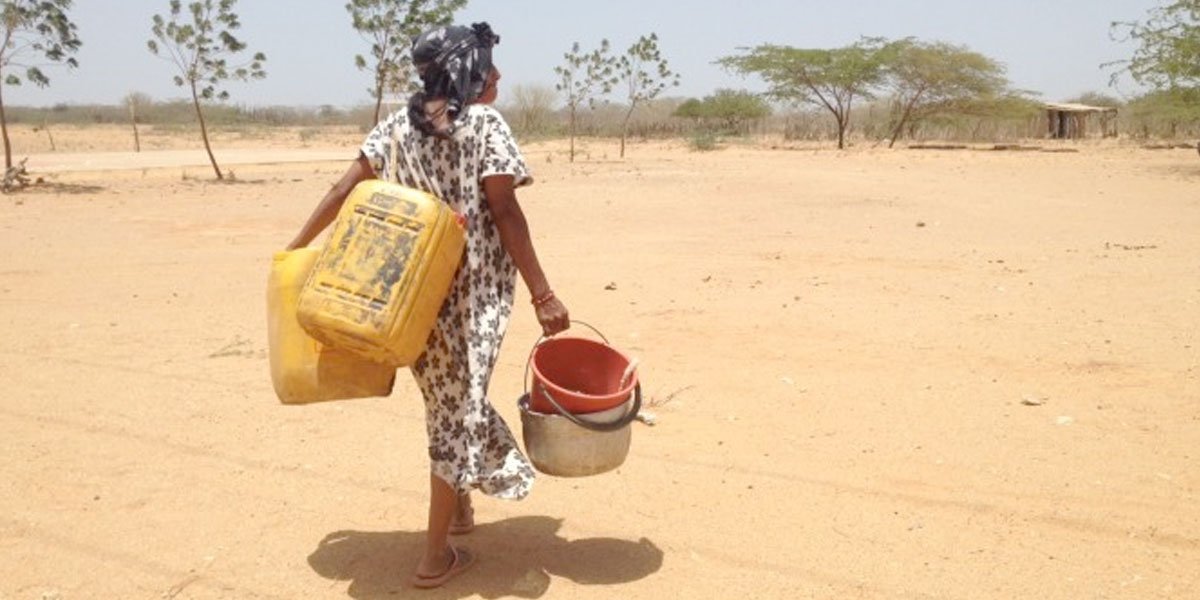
[[464, 516], [443, 503]]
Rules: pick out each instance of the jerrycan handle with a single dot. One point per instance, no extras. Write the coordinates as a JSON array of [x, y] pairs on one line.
[[392, 175]]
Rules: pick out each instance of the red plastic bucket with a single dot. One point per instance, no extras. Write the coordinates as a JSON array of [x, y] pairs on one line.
[[582, 375]]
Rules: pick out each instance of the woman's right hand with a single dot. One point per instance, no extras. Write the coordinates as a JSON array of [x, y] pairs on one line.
[[553, 316]]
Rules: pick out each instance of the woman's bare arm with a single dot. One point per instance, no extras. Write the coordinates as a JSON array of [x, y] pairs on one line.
[[327, 210], [514, 235]]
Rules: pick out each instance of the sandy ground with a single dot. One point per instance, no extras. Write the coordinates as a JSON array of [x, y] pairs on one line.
[[877, 374]]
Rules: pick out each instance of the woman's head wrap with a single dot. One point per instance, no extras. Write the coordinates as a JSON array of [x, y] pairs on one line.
[[454, 63]]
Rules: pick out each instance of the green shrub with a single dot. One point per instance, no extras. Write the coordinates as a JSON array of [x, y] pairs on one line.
[[703, 141]]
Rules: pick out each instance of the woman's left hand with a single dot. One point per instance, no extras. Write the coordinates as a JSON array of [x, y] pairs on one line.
[[553, 316]]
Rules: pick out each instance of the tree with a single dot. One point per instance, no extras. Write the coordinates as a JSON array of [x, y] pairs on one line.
[[389, 26], [583, 77], [135, 102], [201, 45], [932, 78], [533, 107], [1014, 107], [49, 136], [1094, 98], [36, 33], [832, 79], [645, 74], [1167, 113], [731, 109], [1168, 55], [690, 109]]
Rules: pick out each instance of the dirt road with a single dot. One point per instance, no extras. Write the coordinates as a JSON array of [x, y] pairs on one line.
[[877, 374]]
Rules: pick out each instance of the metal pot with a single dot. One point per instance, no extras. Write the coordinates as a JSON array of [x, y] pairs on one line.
[[565, 446]]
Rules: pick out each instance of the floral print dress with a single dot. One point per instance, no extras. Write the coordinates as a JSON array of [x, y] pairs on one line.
[[470, 446]]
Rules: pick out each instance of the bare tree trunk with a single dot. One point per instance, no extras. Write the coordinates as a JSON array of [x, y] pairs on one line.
[[843, 122], [844, 126], [50, 136], [572, 127], [380, 80], [898, 129], [625, 126], [204, 133], [4, 129], [900, 126], [841, 114], [137, 140], [905, 116], [378, 105]]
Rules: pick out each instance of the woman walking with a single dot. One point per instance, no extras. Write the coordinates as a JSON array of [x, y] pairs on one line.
[[451, 143]]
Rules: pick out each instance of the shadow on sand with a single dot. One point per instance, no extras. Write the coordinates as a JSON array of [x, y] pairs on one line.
[[515, 557], [43, 187]]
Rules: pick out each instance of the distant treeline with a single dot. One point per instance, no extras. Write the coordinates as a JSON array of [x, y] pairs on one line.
[[533, 115], [181, 112], [1153, 116]]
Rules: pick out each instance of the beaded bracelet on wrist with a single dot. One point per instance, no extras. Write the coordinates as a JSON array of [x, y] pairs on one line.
[[544, 298]]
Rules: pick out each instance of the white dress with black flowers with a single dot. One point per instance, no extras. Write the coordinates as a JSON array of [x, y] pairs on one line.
[[470, 446]]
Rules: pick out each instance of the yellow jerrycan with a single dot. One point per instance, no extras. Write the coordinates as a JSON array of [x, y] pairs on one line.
[[302, 369], [378, 286]]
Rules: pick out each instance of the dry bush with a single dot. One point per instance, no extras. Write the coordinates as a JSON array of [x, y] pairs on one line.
[[533, 113]]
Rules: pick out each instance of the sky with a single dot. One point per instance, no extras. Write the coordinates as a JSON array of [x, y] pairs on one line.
[[1052, 47]]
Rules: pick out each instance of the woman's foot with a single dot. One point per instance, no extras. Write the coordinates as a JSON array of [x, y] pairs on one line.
[[464, 516], [435, 571]]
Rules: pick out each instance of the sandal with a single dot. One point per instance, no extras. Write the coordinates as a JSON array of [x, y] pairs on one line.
[[461, 560]]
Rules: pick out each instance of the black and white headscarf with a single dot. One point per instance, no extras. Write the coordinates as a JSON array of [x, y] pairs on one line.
[[453, 63]]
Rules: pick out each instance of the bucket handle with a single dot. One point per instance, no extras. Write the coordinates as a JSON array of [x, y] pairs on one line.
[[542, 338], [599, 427]]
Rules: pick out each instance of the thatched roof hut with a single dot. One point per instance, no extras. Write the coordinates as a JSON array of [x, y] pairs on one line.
[[1074, 121]]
